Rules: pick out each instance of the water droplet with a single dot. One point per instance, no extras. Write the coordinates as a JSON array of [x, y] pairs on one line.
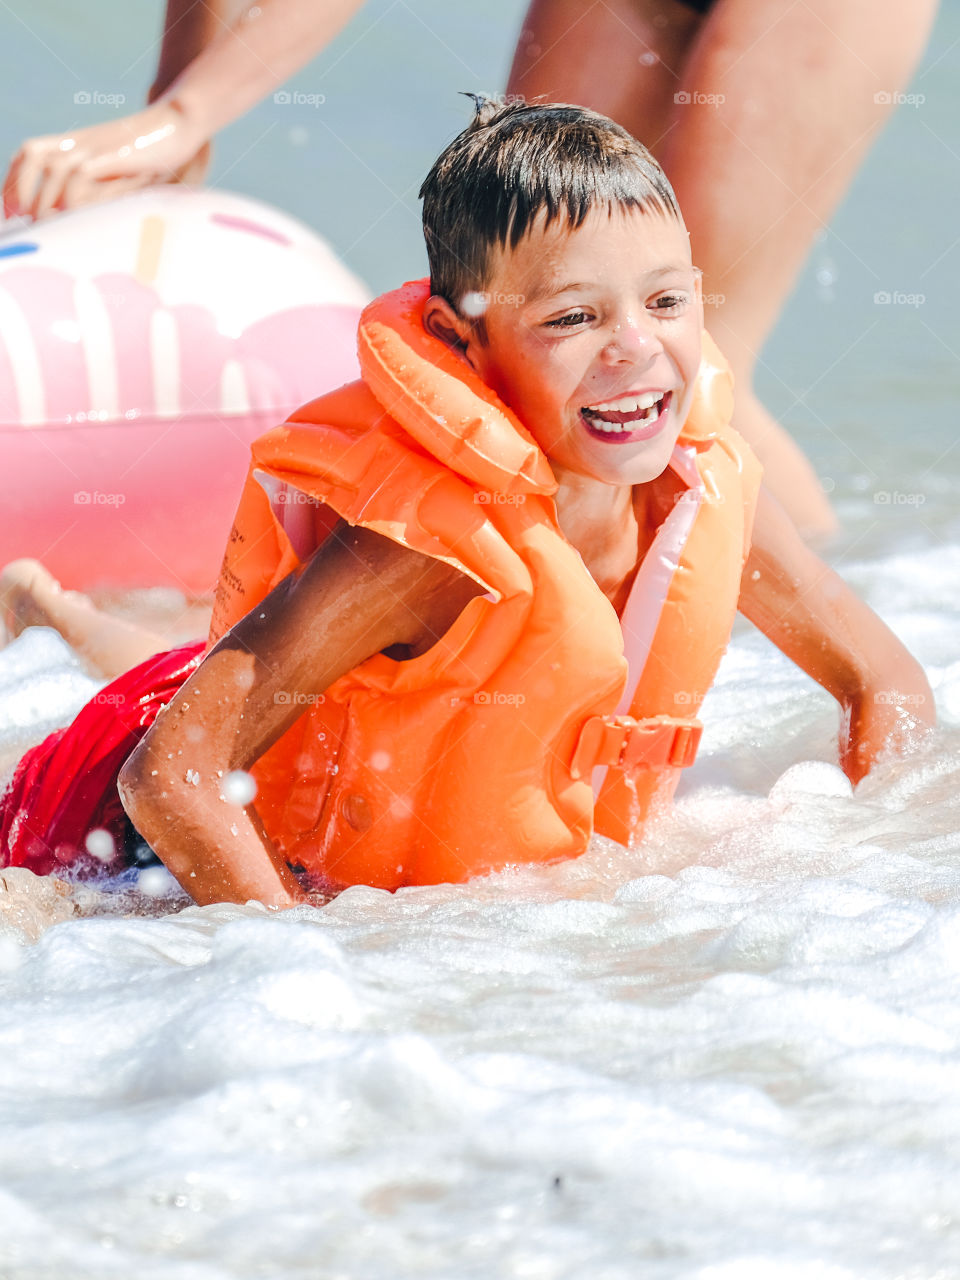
[[154, 881], [239, 788], [100, 844], [474, 303]]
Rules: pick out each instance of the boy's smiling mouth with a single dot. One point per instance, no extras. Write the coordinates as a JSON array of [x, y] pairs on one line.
[[636, 416]]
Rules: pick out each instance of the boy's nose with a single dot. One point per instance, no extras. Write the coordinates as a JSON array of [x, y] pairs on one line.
[[631, 339]]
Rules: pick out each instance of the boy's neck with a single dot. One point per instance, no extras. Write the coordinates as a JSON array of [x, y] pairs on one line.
[[601, 522], [590, 508]]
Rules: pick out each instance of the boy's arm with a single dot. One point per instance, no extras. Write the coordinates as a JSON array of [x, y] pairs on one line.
[[810, 613], [359, 594]]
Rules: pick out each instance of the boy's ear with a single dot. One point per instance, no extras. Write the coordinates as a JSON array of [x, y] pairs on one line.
[[440, 319]]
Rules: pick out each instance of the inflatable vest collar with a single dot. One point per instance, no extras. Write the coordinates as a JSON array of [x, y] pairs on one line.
[[439, 400]]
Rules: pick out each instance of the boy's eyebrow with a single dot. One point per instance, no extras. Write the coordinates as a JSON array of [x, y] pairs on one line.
[[550, 288]]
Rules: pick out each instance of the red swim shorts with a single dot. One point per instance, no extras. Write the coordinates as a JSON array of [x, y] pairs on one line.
[[67, 785]]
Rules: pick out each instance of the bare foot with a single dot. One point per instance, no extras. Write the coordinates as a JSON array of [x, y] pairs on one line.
[[28, 597]]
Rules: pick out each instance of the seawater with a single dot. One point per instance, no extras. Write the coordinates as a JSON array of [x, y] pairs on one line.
[[732, 1054]]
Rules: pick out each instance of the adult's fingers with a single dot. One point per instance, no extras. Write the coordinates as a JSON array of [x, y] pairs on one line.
[[63, 171], [53, 179], [24, 176]]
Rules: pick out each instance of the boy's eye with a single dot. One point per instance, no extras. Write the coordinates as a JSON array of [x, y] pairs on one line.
[[670, 301], [569, 320]]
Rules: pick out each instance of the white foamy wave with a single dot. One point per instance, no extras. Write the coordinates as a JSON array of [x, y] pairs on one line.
[[729, 1054], [42, 687]]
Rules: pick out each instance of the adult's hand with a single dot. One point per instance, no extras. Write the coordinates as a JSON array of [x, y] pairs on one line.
[[219, 57], [61, 171]]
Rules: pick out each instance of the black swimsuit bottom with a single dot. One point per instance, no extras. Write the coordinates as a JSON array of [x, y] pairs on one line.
[[701, 6]]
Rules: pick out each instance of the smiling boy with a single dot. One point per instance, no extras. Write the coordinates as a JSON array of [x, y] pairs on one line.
[[406, 650], [600, 360]]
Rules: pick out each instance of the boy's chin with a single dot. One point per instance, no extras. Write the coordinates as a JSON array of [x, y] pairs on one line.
[[640, 468]]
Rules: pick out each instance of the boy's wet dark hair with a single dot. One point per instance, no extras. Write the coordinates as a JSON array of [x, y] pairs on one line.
[[516, 161]]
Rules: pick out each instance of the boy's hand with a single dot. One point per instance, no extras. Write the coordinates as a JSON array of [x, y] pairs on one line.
[[885, 720], [815, 619]]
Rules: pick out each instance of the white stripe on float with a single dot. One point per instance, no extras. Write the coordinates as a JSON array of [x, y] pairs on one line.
[[233, 389], [96, 337], [16, 337], [149, 246], [165, 363]]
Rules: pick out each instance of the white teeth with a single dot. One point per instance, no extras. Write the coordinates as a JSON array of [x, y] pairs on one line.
[[611, 428], [629, 404]]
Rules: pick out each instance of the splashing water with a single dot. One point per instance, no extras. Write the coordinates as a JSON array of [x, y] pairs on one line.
[[731, 1052]]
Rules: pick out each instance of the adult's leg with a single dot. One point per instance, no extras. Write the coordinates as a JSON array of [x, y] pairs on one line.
[[621, 57], [31, 597], [783, 104], [756, 174]]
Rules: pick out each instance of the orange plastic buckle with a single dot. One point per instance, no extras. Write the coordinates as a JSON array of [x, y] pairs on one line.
[[656, 743]]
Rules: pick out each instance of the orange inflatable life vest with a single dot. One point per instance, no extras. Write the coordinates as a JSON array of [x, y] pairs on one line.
[[539, 716]]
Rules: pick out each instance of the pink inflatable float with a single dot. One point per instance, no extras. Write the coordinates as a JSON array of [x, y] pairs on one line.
[[143, 345]]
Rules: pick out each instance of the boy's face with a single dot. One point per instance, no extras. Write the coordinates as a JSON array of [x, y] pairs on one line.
[[593, 339]]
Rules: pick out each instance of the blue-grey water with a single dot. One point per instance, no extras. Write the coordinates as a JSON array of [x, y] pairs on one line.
[[870, 389]]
